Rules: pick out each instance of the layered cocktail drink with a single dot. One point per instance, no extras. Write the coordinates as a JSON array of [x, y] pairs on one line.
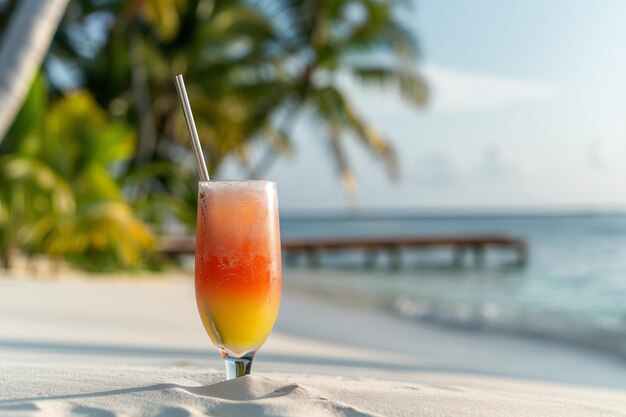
[[238, 267]]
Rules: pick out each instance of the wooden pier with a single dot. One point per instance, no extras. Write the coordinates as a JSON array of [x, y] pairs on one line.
[[372, 247], [394, 246]]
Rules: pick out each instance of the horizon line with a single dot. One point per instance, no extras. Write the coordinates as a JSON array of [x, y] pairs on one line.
[[403, 213]]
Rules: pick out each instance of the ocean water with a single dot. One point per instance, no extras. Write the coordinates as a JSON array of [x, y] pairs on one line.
[[573, 287]]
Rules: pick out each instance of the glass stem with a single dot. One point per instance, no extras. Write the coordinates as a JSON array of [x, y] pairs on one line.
[[236, 367]]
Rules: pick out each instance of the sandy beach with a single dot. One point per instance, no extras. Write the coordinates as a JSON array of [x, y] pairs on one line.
[[135, 347], [420, 202]]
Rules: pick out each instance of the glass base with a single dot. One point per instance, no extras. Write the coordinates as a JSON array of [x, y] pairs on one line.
[[236, 367]]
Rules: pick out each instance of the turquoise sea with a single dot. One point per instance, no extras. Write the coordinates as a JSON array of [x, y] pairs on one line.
[[572, 289]]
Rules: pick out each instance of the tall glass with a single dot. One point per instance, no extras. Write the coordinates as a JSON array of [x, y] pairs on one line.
[[238, 267]]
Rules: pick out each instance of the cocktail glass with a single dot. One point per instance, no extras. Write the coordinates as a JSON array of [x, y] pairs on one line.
[[238, 267]]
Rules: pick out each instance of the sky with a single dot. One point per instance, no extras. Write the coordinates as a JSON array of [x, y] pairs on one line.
[[527, 110]]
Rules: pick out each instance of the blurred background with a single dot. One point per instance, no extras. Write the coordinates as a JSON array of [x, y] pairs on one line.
[[377, 119]]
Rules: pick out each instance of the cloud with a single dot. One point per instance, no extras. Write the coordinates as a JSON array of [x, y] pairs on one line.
[[451, 91], [454, 91]]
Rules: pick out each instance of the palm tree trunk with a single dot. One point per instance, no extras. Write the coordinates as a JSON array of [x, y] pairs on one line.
[[24, 45]]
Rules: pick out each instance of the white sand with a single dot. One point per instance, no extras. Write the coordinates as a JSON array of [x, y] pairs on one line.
[[103, 348]]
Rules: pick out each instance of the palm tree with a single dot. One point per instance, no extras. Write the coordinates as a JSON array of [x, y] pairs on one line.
[[251, 67], [326, 39], [24, 45], [230, 57]]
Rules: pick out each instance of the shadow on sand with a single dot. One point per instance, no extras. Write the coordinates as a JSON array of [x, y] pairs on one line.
[[187, 354]]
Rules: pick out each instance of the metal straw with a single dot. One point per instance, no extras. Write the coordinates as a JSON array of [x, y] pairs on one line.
[[191, 127]]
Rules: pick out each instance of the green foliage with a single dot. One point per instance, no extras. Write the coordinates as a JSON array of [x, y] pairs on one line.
[[246, 62], [60, 195], [83, 146], [89, 163]]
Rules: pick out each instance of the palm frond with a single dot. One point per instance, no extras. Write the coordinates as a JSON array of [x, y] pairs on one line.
[[411, 86], [348, 180], [335, 109], [23, 171]]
